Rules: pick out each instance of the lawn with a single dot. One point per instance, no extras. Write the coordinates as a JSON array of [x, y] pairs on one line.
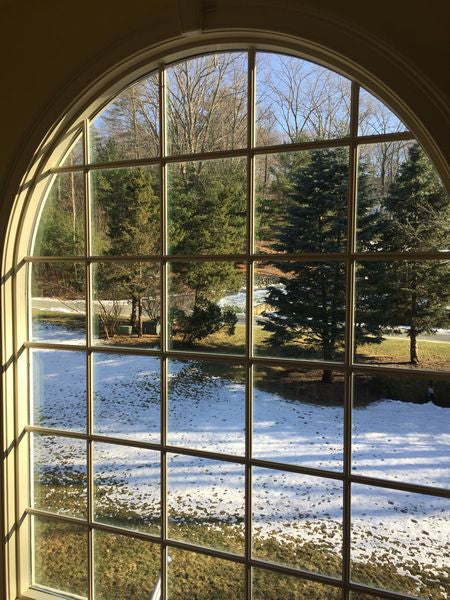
[[127, 568], [399, 539]]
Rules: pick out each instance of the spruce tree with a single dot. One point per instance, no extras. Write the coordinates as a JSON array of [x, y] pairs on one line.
[[309, 305], [417, 219]]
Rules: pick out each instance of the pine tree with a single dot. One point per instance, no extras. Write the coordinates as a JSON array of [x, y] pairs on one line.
[[417, 219], [129, 199], [309, 305], [207, 215]]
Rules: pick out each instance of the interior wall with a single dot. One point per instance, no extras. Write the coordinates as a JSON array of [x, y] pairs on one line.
[[51, 49]]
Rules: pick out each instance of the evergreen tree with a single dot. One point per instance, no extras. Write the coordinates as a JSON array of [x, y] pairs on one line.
[[130, 201], [207, 204], [417, 219], [61, 233], [274, 184], [309, 306]]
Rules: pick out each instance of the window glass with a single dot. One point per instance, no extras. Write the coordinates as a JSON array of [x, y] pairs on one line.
[[66, 569], [203, 577], [301, 202], [75, 155], [375, 118], [297, 520], [207, 103], [125, 211], [219, 500], [128, 127], [206, 401], [59, 389], [58, 302], [399, 540], [297, 100], [61, 224]]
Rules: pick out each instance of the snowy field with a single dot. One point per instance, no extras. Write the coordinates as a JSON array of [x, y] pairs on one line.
[[398, 440]]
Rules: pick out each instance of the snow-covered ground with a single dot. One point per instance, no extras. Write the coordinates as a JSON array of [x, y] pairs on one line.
[[398, 440]]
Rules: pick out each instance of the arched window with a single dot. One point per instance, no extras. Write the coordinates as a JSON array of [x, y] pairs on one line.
[[237, 343]]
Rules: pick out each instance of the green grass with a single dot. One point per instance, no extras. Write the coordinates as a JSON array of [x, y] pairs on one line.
[[395, 352], [127, 568]]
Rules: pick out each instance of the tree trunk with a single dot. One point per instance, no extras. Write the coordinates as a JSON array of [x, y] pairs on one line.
[[74, 220], [139, 317], [327, 376], [413, 358], [133, 313], [328, 354]]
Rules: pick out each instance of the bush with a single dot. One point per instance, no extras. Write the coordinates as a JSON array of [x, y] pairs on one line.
[[206, 318]]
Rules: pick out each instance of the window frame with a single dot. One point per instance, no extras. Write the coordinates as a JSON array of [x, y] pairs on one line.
[[18, 288]]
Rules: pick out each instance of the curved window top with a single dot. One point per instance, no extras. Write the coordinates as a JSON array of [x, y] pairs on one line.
[[206, 106]]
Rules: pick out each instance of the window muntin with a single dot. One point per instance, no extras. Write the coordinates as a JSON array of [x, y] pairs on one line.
[[180, 270]]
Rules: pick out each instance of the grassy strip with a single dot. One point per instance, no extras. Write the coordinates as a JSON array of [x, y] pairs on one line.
[[394, 351]]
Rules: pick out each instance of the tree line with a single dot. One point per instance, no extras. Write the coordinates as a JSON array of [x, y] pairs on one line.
[[301, 206]]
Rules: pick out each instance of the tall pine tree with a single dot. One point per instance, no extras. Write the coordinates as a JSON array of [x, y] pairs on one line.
[[129, 199], [417, 210], [309, 306], [207, 215]]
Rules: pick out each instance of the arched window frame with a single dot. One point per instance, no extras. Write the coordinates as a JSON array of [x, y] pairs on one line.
[[16, 282]]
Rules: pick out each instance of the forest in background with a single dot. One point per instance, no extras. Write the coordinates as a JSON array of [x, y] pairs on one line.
[[301, 206]]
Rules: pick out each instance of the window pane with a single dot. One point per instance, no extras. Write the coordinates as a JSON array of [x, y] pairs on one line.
[[60, 230], [300, 310], [269, 585], [207, 103], [124, 568], [126, 307], [59, 389], [207, 406], [127, 487], [60, 556], [375, 118], [58, 303], [206, 502], [60, 475], [192, 575], [402, 204], [401, 316], [400, 429], [127, 396], [75, 154], [400, 541], [207, 203], [207, 306], [125, 211], [297, 418], [297, 520], [301, 201], [297, 100], [128, 127]]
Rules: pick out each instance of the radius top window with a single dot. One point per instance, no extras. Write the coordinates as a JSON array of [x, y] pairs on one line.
[[239, 344]]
